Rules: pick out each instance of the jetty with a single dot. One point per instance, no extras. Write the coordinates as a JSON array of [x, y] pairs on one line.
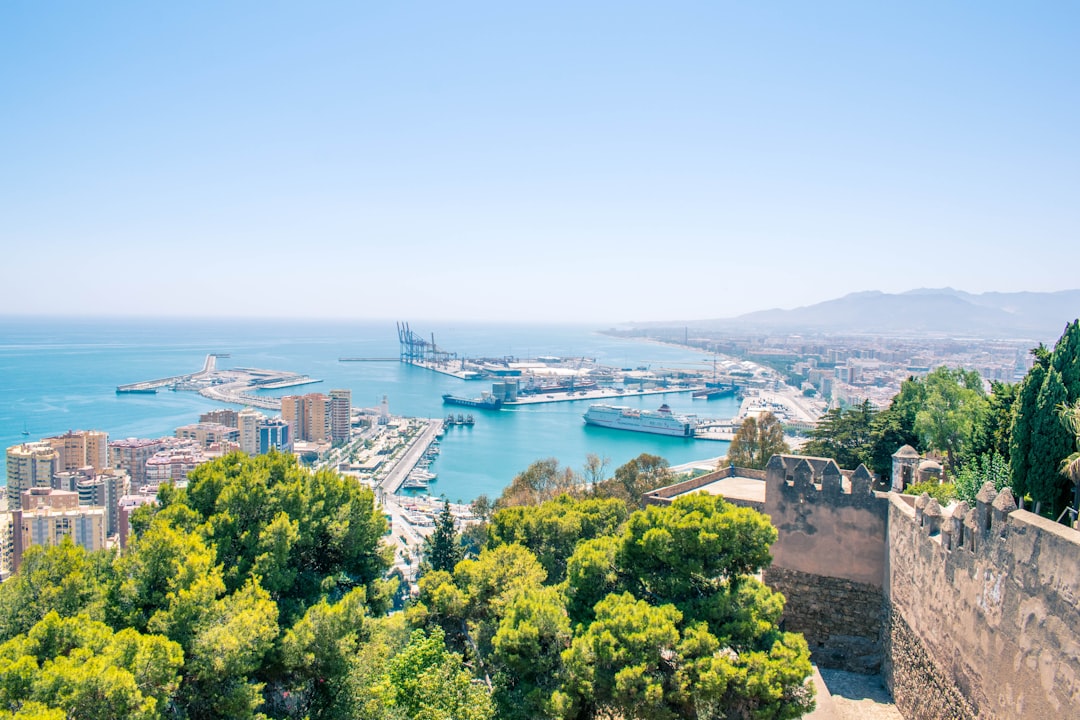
[[148, 386], [235, 385]]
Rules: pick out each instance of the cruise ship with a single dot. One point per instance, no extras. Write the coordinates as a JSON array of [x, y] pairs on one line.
[[659, 422]]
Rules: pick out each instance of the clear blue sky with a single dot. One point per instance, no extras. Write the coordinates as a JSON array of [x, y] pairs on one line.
[[541, 161]]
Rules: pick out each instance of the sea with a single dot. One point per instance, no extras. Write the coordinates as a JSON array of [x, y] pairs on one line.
[[59, 374]]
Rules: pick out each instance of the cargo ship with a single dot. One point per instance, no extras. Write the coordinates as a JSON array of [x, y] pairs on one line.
[[568, 386], [712, 391], [486, 401], [658, 422]]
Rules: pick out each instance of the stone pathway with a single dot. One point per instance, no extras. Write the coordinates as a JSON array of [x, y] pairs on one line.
[[849, 696]]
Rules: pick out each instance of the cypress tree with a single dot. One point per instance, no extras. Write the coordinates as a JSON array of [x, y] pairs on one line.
[[1051, 442], [442, 549], [1023, 417], [1066, 359]]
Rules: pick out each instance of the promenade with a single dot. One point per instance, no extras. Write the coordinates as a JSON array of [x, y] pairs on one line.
[[406, 463]]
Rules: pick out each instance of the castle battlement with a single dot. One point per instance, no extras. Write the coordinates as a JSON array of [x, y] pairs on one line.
[[970, 610], [982, 609], [820, 480]]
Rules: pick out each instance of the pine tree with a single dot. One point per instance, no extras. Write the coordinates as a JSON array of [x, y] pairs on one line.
[[442, 549]]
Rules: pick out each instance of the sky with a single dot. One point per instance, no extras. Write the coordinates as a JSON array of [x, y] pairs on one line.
[[594, 162]]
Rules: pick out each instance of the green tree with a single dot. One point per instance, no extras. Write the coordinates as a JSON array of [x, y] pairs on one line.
[[1024, 414], [952, 413], [163, 568], [469, 604], [626, 663], [303, 534], [225, 642], [632, 480], [526, 653], [686, 569], [553, 529], [541, 481], [693, 551], [591, 574], [757, 440], [993, 436], [845, 435], [79, 666], [63, 578], [318, 654], [640, 660], [988, 467], [427, 682], [1051, 443], [1070, 466], [442, 548], [1066, 360], [894, 427]]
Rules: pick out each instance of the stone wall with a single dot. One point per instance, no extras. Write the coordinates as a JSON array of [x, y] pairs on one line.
[[829, 558], [984, 611], [971, 612], [915, 678], [841, 619]]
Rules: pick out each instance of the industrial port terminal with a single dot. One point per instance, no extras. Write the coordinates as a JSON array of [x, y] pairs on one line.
[[525, 381]]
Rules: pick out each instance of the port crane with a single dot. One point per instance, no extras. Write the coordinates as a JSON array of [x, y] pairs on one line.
[[416, 348]]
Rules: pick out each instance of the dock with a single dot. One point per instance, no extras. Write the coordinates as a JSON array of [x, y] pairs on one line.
[[598, 394]]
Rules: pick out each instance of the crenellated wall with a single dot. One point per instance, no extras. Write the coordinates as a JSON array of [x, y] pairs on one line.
[[829, 559], [970, 612], [983, 611]]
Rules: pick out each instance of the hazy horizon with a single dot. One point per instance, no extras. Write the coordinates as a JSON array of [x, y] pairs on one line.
[[598, 164], [420, 322]]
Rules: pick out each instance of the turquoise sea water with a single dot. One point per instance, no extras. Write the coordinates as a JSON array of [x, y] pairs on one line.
[[61, 374]]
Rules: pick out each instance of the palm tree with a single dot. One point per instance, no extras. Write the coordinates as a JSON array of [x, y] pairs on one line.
[[1070, 466]]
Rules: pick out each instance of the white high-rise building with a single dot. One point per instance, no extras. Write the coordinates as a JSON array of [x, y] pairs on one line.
[[248, 420], [29, 465], [340, 415]]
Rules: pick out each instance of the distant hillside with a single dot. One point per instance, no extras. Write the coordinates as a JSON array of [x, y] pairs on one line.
[[1035, 315]]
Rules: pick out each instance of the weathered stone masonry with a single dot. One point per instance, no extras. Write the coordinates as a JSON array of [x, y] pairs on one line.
[[971, 612], [829, 561]]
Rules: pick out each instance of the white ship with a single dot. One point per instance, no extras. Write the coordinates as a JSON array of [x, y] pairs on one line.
[[660, 422]]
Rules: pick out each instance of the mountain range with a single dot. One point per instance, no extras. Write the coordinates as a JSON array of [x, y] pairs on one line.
[[942, 311]]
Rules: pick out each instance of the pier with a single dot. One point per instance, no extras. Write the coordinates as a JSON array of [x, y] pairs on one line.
[[392, 481], [226, 385]]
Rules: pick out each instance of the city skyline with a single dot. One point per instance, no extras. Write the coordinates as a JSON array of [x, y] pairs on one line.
[[603, 163]]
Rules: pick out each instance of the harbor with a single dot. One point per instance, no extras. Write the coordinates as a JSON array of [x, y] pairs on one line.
[[481, 458]]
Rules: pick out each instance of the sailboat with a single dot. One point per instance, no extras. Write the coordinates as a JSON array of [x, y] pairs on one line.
[[24, 430]]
